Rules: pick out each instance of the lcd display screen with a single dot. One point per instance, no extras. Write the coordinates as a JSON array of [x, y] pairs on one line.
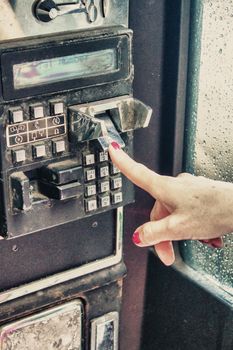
[[60, 69]]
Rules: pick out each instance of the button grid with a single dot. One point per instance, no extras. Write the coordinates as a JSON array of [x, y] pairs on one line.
[[103, 182]]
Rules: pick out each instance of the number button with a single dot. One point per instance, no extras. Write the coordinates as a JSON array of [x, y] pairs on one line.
[[103, 171], [89, 159], [91, 205], [116, 183], [104, 201], [114, 170], [117, 198], [90, 190], [90, 175], [103, 186], [103, 156]]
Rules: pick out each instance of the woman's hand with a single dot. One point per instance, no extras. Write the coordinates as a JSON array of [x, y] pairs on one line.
[[187, 207]]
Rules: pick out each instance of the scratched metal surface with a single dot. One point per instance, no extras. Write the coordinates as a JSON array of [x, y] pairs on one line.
[[24, 23], [209, 142], [59, 328]]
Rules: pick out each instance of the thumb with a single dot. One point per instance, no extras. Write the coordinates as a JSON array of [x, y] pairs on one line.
[[165, 249], [165, 252], [154, 232]]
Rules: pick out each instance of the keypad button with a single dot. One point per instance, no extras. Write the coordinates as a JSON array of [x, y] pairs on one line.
[[19, 155], [57, 107], [116, 183], [37, 111], [89, 159], [59, 146], [103, 171], [104, 201], [16, 115], [90, 174], [39, 151], [103, 186], [90, 190], [117, 197], [91, 204], [103, 156], [114, 170]]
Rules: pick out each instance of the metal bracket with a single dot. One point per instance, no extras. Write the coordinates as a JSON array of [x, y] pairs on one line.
[[48, 10]]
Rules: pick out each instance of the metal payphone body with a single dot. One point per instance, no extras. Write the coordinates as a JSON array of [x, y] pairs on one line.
[[66, 93]]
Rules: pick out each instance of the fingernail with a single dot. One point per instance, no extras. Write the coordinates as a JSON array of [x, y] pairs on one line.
[[213, 243], [217, 243], [115, 145], [136, 238]]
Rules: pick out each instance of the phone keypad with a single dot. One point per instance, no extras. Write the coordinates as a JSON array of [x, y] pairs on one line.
[[103, 182]]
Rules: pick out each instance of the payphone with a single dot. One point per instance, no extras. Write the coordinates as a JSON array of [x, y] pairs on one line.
[[66, 93]]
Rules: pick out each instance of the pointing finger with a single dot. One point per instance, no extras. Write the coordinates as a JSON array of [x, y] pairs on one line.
[[139, 174]]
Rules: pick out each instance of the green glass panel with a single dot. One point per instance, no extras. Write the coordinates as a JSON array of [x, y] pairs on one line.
[[209, 127]]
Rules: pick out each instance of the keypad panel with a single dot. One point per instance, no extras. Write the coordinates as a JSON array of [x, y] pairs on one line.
[[103, 182]]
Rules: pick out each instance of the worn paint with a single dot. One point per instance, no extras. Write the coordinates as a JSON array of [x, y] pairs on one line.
[[59, 328]]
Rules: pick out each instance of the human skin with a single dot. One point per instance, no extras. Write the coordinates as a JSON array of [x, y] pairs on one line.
[[187, 207]]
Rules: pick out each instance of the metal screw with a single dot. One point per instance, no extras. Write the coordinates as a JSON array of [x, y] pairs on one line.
[[95, 224], [15, 248]]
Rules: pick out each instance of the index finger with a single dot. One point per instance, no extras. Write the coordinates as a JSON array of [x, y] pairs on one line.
[[139, 174]]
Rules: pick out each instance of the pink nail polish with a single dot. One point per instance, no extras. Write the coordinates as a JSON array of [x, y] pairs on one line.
[[217, 243], [115, 145], [136, 238], [213, 243]]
